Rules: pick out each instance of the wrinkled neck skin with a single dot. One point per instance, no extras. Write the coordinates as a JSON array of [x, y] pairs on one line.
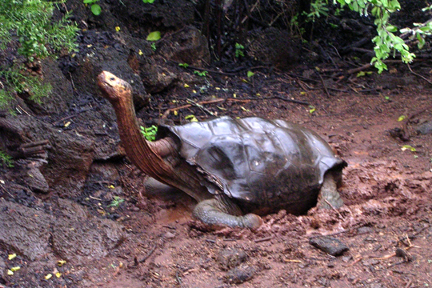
[[148, 156]]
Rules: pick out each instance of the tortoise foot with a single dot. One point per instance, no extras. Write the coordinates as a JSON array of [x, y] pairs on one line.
[[213, 212], [329, 197]]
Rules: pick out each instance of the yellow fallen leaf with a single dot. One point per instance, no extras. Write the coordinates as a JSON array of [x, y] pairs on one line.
[[12, 256], [140, 52], [9, 272], [58, 274], [61, 262], [117, 28], [16, 268], [48, 276], [186, 85]]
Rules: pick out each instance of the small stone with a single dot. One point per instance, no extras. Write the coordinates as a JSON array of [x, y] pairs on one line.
[[329, 245], [369, 262], [169, 235], [231, 257], [365, 230], [240, 274], [425, 128]]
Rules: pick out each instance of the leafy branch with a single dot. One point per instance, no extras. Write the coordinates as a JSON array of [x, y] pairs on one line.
[[386, 41]]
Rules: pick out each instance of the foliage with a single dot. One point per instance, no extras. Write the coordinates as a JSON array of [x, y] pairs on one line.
[[116, 201], [184, 65], [94, 7], [386, 41], [38, 36], [153, 46], [31, 21], [317, 8], [239, 50], [6, 159], [21, 83], [201, 73], [148, 1], [149, 133], [154, 36]]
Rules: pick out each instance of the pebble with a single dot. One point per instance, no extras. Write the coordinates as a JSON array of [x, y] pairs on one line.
[[240, 274], [329, 245]]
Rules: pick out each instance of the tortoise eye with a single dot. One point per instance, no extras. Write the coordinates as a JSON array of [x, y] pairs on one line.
[[112, 79]]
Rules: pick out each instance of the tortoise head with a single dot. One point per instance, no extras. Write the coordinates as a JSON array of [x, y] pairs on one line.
[[112, 87]]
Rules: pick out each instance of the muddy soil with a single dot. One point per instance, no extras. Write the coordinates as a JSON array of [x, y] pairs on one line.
[[385, 224], [95, 226]]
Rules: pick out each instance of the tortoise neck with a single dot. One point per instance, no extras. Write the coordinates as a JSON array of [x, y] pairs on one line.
[[148, 156], [141, 153]]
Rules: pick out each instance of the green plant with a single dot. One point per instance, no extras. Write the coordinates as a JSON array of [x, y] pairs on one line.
[[29, 23], [386, 41], [239, 50], [317, 8], [148, 1], [6, 159], [149, 133], [184, 65], [21, 83], [116, 201], [94, 7], [153, 46], [201, 73]]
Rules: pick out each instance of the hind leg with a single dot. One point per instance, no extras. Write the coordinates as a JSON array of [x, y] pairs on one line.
[[219, 211]]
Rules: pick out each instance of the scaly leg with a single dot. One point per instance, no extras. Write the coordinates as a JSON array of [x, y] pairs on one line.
[[219, 211], [328, 196]]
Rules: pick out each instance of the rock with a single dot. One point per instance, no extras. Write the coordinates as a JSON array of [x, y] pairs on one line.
[[425, 128], [275, 47], [166, 14], [75, 236], [187, 46], [69, 161], [34, 179], [241, 274], [86, 239], [230, 258], [24, 230], [2, 269], [329, 245]]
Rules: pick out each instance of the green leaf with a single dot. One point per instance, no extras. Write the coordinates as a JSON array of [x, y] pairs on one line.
[[250, 74], [96, 9], [154, 36], [192, 118], [408, 147], [401, 118]]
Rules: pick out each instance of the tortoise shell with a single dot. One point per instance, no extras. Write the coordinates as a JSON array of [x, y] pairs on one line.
[[265, 165]]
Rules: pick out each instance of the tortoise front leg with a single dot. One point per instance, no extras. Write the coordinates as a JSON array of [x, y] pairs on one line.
[[328, 196], [219, 212]]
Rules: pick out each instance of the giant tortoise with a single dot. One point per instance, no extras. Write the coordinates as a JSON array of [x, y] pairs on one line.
[[236, 169]]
